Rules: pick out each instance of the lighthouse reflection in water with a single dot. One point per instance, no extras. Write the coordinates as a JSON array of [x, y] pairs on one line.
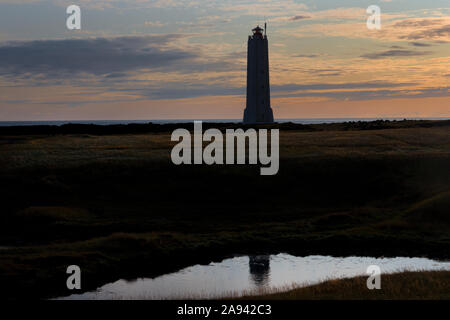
[[259, 267]]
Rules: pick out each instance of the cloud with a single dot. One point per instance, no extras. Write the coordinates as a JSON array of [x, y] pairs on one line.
[[96, 56], [314, 55], [335, 91], [351, 24], [299, 17], [420, 44], [181, 90], [438, 33], [395, 53], [369, 94], [416, 23], [425, 29], [335, 86]]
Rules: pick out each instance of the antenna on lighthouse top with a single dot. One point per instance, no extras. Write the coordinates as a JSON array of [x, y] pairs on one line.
[[265, 29]]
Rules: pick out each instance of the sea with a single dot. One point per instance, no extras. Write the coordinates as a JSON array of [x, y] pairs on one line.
[[124, 122]]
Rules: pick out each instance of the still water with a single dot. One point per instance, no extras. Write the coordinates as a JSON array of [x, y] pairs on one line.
[[246, 274]]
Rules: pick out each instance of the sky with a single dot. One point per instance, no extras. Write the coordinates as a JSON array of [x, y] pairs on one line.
[[186, 59]]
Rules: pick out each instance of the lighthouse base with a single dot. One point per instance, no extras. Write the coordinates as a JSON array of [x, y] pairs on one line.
[[250, 116]]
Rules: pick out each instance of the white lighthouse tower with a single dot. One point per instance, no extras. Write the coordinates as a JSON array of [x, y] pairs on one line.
[[258, 108]]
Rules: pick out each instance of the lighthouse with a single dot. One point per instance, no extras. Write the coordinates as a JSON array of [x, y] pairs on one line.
[[258, 108]]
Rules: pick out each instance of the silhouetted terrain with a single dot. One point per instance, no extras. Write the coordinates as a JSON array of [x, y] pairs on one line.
[[110, 200], [431, 285], [164, 128]]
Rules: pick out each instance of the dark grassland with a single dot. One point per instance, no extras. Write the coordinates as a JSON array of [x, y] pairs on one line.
[[430, 285], [110, 200]]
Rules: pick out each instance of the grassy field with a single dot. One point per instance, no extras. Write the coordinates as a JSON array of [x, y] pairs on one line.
[[432, 285], [115, 205]]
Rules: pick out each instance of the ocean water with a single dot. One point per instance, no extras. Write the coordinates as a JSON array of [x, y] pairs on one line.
[[112, 122]]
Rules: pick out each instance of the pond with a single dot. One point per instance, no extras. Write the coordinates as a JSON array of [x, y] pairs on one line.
[[250, 274]]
